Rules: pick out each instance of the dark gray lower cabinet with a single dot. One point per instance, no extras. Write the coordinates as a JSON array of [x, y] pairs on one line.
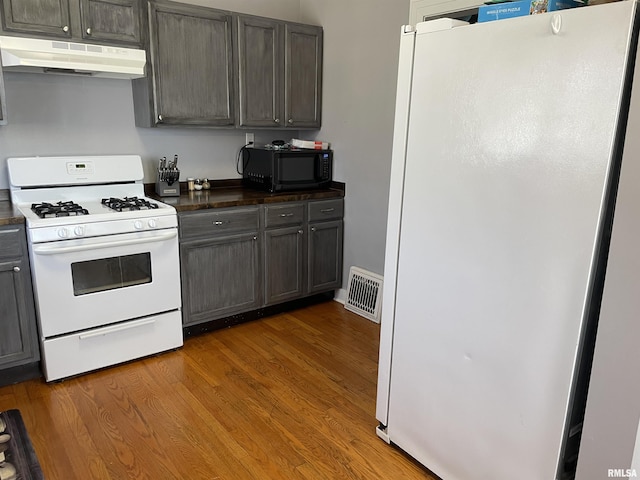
[[325, 256], [284, 264], [220, 263], [18, 336], [220, 277], [234, 260]]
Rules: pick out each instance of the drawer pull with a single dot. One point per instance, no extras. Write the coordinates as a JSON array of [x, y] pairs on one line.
[[286, 214], [220, 222], [300, 232], [116, 328], [16, 269], [327, 210]]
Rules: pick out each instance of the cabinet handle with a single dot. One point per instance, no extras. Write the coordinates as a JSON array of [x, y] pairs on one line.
[[277, 120], [16, 269], [327, 210], [160, 118], [255, 238], [300, 232], [65, 29], [286, 214], [291, 120], [89, 31], [313, 229]]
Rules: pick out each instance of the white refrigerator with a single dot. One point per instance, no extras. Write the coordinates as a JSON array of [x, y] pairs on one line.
[[508, 144]]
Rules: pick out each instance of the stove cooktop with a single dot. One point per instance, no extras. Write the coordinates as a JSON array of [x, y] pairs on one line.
[[59, 209]]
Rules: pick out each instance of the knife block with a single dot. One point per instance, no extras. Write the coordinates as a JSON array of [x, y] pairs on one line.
[[165, 190]]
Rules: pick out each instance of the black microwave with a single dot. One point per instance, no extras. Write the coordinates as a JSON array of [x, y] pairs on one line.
[[289, 169]]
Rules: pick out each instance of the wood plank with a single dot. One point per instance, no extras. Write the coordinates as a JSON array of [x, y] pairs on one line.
[[290, 396]]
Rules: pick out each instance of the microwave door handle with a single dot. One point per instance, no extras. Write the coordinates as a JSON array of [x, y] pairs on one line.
[[55, 250]]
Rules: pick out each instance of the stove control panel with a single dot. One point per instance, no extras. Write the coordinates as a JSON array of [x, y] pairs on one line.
[[54, 233], [80, 168]]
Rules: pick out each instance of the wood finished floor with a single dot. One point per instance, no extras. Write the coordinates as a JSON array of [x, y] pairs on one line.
[[290, 396]]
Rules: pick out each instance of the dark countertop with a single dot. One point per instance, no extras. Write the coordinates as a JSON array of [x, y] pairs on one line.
[[217, 197], [9, 215], [235, 196]]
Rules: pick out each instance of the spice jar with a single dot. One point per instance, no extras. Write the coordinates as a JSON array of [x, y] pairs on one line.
[[191, 184], [198, 184], [205, 184]]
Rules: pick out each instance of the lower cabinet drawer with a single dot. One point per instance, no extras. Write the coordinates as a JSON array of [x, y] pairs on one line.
[[326, 210], [102, 347], [218, 221], [281, 215]]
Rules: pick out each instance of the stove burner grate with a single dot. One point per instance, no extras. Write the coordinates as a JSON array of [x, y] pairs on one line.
[[128, 203], [60, 209]]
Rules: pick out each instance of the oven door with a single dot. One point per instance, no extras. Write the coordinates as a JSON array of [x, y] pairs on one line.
[[98, 281]]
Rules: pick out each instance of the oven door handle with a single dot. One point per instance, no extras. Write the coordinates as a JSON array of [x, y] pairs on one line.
[[55, 250]]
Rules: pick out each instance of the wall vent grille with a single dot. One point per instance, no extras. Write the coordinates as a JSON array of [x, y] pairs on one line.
[[364, 293]]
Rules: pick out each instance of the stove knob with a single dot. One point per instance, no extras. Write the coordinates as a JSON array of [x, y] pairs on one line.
[[63, 233], [79, 231], [138, 225], [152, 223]]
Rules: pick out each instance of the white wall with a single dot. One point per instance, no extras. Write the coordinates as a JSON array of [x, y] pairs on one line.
[[361, 42], [57, 115], [64, 115]]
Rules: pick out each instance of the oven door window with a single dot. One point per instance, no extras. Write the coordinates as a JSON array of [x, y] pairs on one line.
[[110, 273]]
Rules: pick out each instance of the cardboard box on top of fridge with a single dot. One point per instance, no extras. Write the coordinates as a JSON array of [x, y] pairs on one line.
[[519, 8]]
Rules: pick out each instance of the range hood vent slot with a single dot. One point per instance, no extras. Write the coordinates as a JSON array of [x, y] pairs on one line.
[[21, 54]]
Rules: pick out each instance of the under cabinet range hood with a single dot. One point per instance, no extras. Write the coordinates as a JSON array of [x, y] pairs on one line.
[[21, 54]]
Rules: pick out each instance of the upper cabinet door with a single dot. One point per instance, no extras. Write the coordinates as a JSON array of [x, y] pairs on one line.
[[192, 60], [115, 21], [303, 75], [40, 17], [260, 63]]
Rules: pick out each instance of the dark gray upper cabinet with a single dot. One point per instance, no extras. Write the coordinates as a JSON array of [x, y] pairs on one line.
[[279, 73], [190, 73], [114, 21], [39, 17], [18, 337], [100, 21], [303, 76], [260, 60]]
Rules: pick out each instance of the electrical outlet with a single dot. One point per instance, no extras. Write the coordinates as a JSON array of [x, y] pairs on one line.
[[248, 139]]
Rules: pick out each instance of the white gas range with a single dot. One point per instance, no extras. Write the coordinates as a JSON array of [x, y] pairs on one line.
[[104, 261]]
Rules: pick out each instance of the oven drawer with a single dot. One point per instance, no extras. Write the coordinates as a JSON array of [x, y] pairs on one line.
[[218, 221], [280, 215], [82, 352], [326, 210]]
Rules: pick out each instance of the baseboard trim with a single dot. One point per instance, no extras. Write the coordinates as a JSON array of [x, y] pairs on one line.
[[230, 321], [20, 373]]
